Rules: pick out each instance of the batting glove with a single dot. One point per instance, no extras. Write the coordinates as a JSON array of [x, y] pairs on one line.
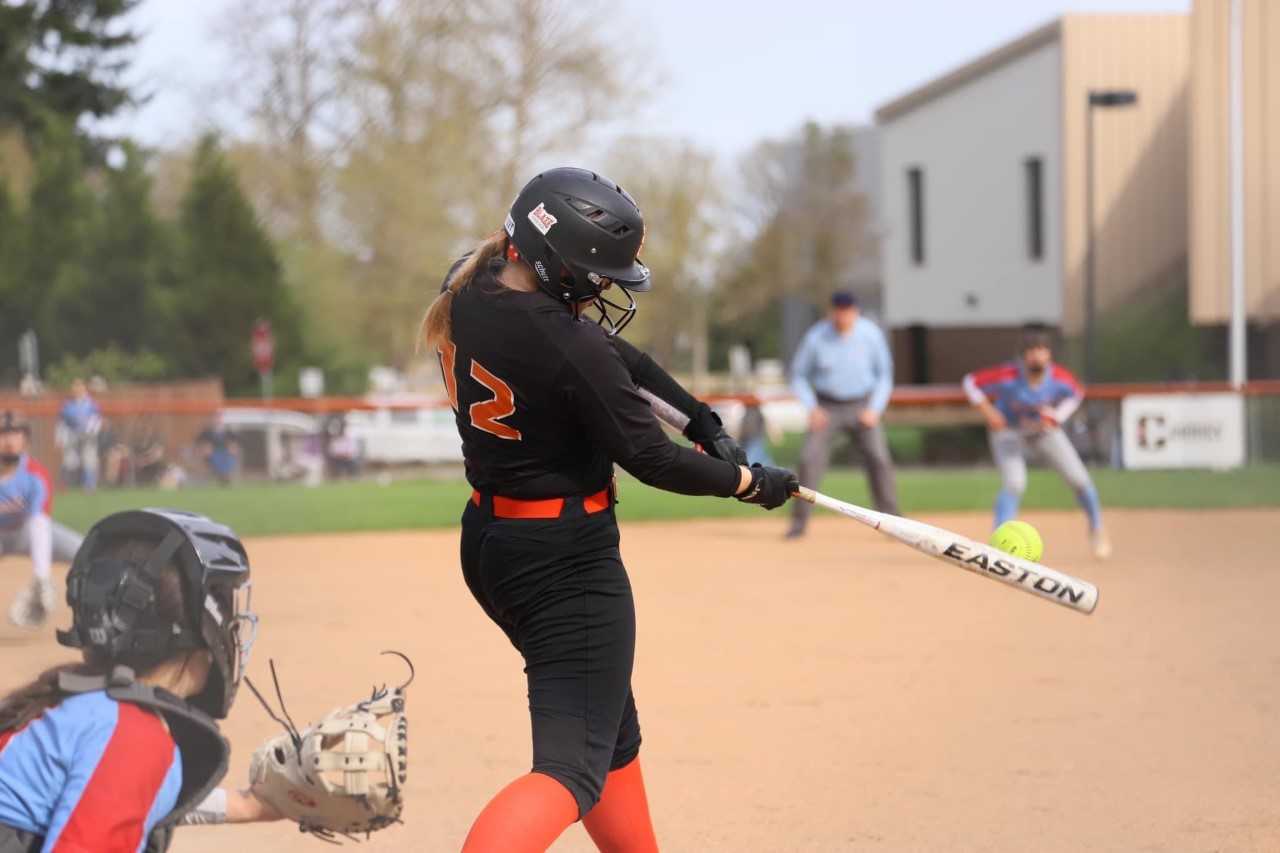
[[770, 487]]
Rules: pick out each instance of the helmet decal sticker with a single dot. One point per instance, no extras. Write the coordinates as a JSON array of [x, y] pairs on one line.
[[541, 219]]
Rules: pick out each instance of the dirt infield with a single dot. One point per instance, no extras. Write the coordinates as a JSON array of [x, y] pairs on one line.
[[839, 693]]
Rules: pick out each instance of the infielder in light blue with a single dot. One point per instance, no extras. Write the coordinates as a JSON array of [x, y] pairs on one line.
[[26, 504], [1025, 402]]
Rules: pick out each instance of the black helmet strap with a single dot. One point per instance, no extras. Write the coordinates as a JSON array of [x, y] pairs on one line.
[[162, 554]]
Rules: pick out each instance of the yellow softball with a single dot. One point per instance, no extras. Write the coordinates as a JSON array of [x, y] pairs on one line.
[[1019, 539]]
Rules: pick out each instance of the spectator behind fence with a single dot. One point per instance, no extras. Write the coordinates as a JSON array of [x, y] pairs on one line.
[[843, 374], [116, 456], [755, 433], [341, 450], [79, 422], [220, 450], [302, 458]]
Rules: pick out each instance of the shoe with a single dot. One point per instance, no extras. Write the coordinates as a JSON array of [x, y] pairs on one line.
[[1101, 544], [32, 605], [794, 533]]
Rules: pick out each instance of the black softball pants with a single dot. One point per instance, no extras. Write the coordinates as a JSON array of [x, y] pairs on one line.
[[558, 589]]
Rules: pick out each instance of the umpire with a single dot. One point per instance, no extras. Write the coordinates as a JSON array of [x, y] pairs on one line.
[[843, 374]]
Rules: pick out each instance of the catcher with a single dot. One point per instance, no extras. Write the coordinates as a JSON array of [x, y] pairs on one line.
[[114, 752]]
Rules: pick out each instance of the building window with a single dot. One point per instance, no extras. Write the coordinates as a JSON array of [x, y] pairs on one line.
[[1033, 169], [915, 202]]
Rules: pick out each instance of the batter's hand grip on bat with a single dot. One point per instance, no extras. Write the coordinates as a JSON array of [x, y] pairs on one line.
[[977, 557]]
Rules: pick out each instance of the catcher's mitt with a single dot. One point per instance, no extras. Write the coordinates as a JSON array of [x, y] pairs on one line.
[[342, 775]]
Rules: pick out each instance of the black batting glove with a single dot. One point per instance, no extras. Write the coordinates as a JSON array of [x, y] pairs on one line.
[[770, 487], [707, 431]]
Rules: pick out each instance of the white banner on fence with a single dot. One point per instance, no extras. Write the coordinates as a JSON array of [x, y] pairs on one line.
[[1183, 430]]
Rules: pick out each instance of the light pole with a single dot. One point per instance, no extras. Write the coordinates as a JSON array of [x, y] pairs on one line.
[[1104, 99]]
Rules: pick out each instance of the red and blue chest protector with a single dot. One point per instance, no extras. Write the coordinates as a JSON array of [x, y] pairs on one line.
[[91, 775]]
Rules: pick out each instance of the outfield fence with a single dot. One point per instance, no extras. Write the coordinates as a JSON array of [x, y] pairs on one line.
[[177, 412]]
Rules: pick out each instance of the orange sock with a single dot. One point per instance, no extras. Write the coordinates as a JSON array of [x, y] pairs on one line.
[[525, 817], [620, 822]]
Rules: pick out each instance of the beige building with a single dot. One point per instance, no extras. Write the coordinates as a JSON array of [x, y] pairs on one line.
[[984, 180], [1210, 246]]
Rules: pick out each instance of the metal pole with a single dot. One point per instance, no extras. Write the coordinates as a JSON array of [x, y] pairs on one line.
[[1237, 336], [1090, 295], [273, 440]]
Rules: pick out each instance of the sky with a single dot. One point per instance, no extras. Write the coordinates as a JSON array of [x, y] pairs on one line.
[[731, 71]]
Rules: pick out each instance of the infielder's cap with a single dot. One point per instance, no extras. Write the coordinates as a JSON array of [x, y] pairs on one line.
[[844, 299], [12, 421]]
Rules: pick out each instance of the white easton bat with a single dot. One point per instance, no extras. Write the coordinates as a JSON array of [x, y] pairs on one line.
[[985, 560], [981, 559]]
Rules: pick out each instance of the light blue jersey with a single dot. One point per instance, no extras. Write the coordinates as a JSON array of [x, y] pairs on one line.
[[81, 415], [24, 493], [845, 367]]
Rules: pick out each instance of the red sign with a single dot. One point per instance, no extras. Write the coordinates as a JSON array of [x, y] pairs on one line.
[[264, 346]]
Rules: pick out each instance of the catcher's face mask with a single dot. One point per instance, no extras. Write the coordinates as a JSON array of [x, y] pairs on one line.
[[240, 629]]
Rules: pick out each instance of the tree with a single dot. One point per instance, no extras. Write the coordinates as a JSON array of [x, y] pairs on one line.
[[677, 188], [803, 217], [51, 268], [62, 60], [227, 277], [129, 253], [286, 83], [553, 73], [11, 321], [410, 185], [386, 136]]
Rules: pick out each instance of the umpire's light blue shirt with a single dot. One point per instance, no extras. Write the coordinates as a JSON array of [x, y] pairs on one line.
[[844, 367]]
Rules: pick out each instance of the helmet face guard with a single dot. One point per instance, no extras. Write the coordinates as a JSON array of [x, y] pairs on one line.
[[581, 233], [114, 602], [621, 315]]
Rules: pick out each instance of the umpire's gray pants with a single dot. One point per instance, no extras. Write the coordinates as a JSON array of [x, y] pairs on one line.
[[1051, 447], [65, 542], [816, 457]]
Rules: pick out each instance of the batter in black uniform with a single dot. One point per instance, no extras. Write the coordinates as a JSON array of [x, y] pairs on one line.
[[547, 402]]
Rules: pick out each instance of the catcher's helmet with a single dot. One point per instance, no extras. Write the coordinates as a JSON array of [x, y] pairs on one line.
[[14, 421], [581, 233], [114, 602]]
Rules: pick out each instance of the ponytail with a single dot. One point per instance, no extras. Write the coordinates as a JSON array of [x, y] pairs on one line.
[[437, 323]]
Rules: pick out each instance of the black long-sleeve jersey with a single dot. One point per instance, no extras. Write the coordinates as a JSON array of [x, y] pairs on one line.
[[546, 404]]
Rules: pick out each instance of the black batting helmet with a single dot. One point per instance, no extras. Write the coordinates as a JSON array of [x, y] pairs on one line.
[[114, 602], [14, 421], [581, 233]]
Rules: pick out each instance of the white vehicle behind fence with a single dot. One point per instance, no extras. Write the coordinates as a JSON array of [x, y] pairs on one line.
[[406, 436]]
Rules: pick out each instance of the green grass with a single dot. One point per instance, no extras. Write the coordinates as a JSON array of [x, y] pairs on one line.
[[263, 509]]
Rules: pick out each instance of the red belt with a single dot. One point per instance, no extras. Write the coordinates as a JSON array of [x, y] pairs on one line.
[[545, 507]]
